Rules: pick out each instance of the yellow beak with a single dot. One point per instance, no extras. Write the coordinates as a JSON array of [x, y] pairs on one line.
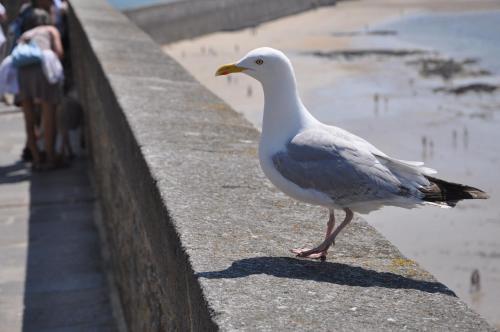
[[228, 69]]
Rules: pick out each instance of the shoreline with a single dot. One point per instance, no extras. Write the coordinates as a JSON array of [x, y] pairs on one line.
[[385, 102], [200, 56]]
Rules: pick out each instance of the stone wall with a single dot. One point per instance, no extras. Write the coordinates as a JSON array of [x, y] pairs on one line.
[[198, 237], [118, 70], [166, 23]]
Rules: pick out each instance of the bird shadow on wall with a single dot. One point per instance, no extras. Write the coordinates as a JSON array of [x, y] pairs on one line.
[[335, 273]]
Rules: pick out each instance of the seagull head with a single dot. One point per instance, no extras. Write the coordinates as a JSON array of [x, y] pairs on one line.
[[264, 64]]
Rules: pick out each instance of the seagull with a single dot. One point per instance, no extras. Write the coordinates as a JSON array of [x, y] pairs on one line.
[[328, 166]]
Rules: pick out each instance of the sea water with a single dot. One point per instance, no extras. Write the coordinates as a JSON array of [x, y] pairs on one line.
[[469, 35]]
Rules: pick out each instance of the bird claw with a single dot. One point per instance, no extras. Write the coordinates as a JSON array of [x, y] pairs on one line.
[[310, 253]]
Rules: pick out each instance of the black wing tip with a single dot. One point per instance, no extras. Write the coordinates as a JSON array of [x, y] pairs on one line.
[[450, 193], [478, 194]]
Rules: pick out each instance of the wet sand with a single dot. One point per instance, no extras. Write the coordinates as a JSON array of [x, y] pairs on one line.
[[386, 100]]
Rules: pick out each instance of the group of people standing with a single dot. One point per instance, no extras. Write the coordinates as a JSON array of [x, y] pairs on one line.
[[33, 72]]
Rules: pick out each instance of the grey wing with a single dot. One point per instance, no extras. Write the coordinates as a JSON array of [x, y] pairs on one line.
[[319, 160]]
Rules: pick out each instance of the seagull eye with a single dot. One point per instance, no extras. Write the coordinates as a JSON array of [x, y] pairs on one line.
[[259, 61]]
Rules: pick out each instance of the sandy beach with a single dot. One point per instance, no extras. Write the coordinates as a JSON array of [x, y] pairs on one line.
[[408, 99]]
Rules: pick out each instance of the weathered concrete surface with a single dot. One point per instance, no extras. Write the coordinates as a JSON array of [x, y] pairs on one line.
[[199, 238], [170, 22], [51, 273]]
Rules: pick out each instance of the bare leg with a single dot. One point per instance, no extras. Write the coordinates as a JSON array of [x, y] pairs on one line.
[[66, 149], [70, 149], [49, 131], [29, 122], [321, 250]]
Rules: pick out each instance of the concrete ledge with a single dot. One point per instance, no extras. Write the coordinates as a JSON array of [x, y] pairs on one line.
[[166, 23], [198, 237]]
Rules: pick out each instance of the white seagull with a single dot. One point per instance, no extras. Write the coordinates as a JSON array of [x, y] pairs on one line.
[[328, 166]]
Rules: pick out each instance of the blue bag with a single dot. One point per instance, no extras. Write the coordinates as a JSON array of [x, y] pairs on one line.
[[25, 54]]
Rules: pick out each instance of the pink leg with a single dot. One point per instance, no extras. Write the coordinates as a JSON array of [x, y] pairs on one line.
[[329, 228], [320, 251], [330, 225]]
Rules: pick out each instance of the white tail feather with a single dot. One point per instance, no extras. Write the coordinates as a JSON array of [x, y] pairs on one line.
[[408, 172]]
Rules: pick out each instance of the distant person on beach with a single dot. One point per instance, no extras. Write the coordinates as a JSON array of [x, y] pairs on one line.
[[40, 83]]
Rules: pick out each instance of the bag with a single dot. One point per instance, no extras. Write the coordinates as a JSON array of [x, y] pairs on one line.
[[25, 54]]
